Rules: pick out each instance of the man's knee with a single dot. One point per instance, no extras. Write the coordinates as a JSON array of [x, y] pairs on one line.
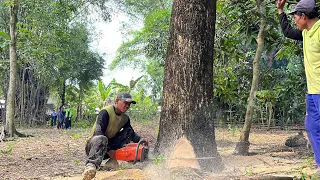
[[100, 138], [97, 141]]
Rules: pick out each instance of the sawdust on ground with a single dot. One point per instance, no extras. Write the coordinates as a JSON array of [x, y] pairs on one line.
[[59, 154]]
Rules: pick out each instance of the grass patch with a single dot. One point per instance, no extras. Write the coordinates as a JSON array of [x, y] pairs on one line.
[[8, 150]]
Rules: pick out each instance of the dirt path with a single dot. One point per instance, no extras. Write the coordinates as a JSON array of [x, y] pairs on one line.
[[59, 154]]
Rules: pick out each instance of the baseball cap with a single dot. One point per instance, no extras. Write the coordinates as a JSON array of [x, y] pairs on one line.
[[126, 96], [306, 6]]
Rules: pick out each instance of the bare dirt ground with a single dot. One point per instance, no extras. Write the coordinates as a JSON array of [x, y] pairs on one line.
[[59, 154]]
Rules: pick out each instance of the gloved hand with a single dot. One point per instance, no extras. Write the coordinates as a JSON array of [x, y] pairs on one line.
[[146, 141], [280, 5]]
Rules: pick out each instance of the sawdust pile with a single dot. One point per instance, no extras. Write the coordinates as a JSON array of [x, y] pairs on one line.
[[183, 155], [180, 164], [125, 174]]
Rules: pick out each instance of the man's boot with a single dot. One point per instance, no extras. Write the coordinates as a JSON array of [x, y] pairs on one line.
[[89, 172]]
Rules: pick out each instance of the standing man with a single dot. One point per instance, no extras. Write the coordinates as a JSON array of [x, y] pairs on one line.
[[305, 16], [54, 118], [62, 116], [111, 131], [68, 117]]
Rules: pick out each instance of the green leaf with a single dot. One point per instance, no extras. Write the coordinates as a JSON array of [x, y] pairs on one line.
[[5, 35], [4, 44]]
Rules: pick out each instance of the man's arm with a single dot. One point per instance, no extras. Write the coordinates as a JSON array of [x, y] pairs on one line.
[[135, 137], [287, 29], [101, 123]]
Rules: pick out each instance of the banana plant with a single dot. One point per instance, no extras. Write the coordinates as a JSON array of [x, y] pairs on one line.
[[114, 87], [104, 91], [4, 40]]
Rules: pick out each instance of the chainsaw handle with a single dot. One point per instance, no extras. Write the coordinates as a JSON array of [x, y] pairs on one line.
[[137, 149], [145, 141]]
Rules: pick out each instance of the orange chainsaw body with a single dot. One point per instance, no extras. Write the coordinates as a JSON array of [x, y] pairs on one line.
[[131, 152]]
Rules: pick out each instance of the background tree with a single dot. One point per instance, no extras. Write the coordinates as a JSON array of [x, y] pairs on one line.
[[187, 96], [243, 144], [13, 9], [53, 53], [237, 29], [145, 48]]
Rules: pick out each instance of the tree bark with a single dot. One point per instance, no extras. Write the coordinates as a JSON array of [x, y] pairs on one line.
[[242, 147], [13, 8], [187, 108]]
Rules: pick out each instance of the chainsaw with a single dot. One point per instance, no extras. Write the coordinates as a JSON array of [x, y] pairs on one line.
[[131, 152]]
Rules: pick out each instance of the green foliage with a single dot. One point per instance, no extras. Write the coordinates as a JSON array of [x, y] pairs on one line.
[[83, 124], [53, 48], [303, 176], [104, 91], [91, 101], [235, 47], [249, 172], [75, 136], [5, 41], [145, 109], [146, 50], [136, 8], [280, 96], [151, 42], [122, 168], [234, 130], [8, 150], [309, 162], [158, 159], [53, 43], [77, 162]]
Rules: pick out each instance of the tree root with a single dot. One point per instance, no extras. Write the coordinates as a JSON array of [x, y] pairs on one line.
[[16, 133], [21, 134], [242, 148]]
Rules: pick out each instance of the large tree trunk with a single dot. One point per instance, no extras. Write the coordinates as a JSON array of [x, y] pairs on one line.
[[242, 147], [187, 108], [13, 74]]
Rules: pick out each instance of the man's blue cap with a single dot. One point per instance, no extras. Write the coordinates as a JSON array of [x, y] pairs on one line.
[[306, 6]]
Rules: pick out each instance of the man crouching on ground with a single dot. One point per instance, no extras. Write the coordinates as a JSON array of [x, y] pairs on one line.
[[111, 131]]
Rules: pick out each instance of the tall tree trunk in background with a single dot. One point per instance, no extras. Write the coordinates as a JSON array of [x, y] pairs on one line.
[[79, 106], [242, 147], [22, 96], [187, 109], [63, 93], [13, 8]]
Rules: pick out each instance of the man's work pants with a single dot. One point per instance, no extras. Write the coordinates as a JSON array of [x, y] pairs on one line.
[[98, 146], [312, 124]]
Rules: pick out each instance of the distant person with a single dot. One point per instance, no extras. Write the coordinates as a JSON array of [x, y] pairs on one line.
[[54, 118], [68, 117], [305, 16], [60, 119], [63, 115], [107, 134]]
